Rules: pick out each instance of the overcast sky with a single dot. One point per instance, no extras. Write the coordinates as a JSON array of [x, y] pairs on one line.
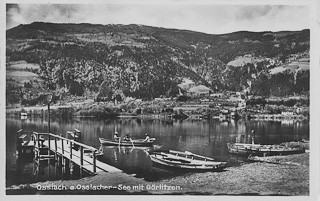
[[207, 18]]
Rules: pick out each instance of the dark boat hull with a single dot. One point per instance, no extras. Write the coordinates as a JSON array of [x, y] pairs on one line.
[[174, 161], [262, 150], [275, 151], [137, 143]]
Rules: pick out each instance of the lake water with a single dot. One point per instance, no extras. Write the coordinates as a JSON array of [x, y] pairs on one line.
[[207, 138]]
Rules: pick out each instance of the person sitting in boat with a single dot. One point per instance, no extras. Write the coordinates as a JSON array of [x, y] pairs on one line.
[[116, 137], [127, 138], [147, 139]]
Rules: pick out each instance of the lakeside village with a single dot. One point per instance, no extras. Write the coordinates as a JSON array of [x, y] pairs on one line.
[[196, 102]]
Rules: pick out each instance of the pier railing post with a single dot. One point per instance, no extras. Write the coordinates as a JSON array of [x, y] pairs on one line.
[[94, 161], [62, 147], [81, 155], [70, 150], [35, 146], [81, 160], [38, 140], [80, 151], [55, 149], [49, 149]]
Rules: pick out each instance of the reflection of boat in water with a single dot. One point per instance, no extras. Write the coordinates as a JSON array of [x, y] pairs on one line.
[[136, 142], [131, 160], [186, 160], [263, 150], [23, 115]]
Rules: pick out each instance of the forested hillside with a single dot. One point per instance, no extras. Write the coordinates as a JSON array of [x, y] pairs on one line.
[[148, 62]]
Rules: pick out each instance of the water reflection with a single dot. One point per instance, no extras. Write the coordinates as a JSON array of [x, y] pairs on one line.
[[207, 138], [129, 159]]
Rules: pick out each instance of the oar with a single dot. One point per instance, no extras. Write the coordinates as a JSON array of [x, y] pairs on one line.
[[190, 153], [131, 142], [101, 149]]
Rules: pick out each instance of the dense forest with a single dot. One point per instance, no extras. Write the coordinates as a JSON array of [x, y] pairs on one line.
[[148, 62]]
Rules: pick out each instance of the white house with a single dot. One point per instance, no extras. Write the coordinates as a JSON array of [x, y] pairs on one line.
[[199, 90]]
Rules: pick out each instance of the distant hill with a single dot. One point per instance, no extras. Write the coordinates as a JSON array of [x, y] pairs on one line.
[[147, 62]]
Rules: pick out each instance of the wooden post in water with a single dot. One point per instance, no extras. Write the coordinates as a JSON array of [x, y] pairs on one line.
[[62, 158], [18, 145], [37, 145], [55, 168], [64, 171], [34, 145], [49, 167], [67, 168], [37, 168], [49, 146]]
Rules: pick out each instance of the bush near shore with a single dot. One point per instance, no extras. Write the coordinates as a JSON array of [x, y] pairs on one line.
[[102, 111]]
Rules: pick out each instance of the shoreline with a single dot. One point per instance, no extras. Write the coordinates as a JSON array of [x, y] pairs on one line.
[[289, 177]]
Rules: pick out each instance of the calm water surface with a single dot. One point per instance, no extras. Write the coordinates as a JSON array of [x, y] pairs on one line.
[[208, 138]]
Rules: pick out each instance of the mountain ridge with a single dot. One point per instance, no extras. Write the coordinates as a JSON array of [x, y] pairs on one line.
[[155, 59]]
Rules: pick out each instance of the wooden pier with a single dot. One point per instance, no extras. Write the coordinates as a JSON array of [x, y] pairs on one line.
[[66, 151]]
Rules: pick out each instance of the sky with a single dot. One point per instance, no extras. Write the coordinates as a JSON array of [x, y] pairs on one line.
[[207, 18]]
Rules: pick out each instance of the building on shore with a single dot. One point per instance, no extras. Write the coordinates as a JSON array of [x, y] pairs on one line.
[[199, 90]]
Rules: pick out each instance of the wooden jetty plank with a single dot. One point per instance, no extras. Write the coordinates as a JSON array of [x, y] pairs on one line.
[[29, 143], [87, 161]]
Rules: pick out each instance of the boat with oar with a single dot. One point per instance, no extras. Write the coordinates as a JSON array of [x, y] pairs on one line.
[[89, 152], [263, 150], [132, 142], [185, 160]]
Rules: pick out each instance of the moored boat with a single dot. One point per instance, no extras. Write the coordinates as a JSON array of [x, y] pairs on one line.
[[271, 150], [263, 150], [135, 142], [89, 152], [186, 160], [241, 148]]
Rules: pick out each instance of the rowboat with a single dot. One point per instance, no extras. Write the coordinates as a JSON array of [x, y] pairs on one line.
[[89, 153], [185, 160], [270, 150], [241, 148], [135, 142], [263, 150]]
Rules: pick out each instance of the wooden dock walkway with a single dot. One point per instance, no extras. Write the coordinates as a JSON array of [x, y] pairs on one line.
[[75, 157], [50, 146]]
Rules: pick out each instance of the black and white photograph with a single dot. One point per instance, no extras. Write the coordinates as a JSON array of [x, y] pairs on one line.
[[204, 99]]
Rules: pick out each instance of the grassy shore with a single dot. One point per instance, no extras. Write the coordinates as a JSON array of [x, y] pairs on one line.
[[290, 176]]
